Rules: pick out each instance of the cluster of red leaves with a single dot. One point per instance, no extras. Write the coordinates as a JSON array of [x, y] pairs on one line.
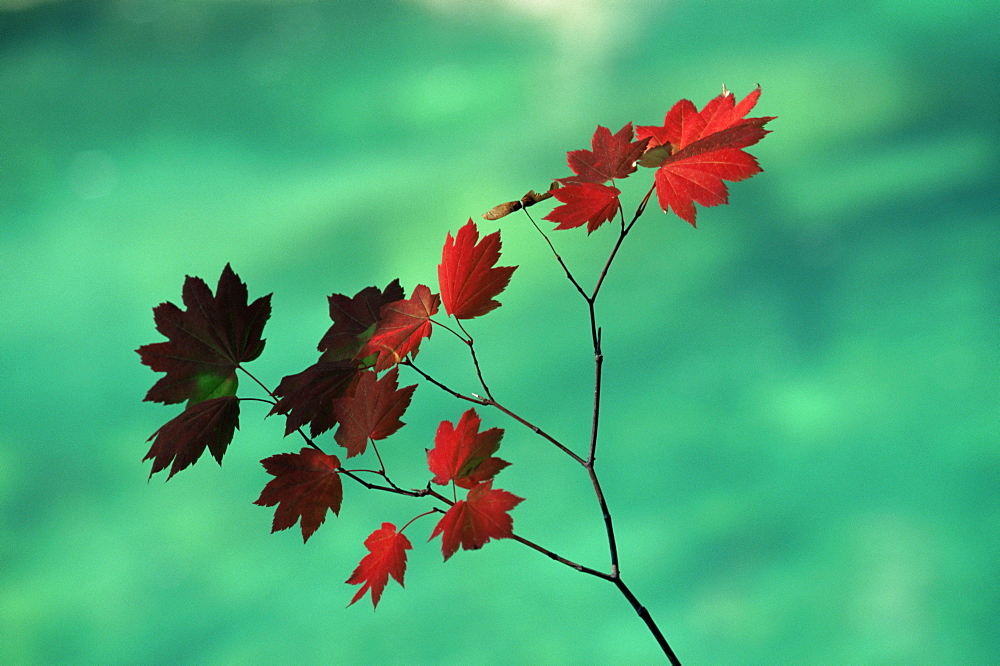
[[461, 455], [353, 387], [693, 152]]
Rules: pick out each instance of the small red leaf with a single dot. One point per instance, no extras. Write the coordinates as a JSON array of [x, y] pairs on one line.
[[460, 451], [472, 522], [402, 326], [588, 203], [386, 556], [468, 275], [305, 485], [207, 424], [372, 411], [612, 156]]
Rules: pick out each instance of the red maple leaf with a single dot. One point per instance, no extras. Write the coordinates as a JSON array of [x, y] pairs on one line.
[[589, 203], [372, 411], [207, 341], [472, 522], [354, 320], [305, 485], [386, 555], [703, 149], [307, 397], [402, 326], [612, 156], [468, 275], [463, 454], [206, 424]]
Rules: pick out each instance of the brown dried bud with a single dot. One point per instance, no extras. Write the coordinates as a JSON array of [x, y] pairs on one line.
[[529, 199], [502, 210]]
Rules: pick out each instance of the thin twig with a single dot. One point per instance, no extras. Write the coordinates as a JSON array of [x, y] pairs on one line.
[[475, 360], [489, 402], [618, 243], [558, 258], [648, 619], [562, 560]]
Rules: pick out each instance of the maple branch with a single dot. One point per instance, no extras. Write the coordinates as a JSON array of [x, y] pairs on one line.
[[372, 486], [474, 398], [535, 429], [562, 560], [619, 583], [598, 365], [648, 619]]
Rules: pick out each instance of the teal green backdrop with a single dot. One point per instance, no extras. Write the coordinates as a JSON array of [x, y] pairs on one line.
[[800, 433]]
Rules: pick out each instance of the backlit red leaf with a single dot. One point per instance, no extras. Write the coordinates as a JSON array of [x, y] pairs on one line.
[[207, 424], [307, 397], [468, 275], [402, 326], [386, 556], [703, 149], [472, 522], [462, 454], [611, 156], [354, 320], [206, 341], [586, 203], [684, 180], [372, 411], [305, 485]]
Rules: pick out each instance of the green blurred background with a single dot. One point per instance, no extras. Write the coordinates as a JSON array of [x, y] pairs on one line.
[[800, 440]]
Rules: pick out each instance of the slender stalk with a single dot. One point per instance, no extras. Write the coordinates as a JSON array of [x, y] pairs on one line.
[[561, 560], [618, 244], [475, 360], [489, 402], [552, 247], [647, 618]]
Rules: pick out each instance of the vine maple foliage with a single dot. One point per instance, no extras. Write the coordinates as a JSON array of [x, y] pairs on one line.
[[353, 386]]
